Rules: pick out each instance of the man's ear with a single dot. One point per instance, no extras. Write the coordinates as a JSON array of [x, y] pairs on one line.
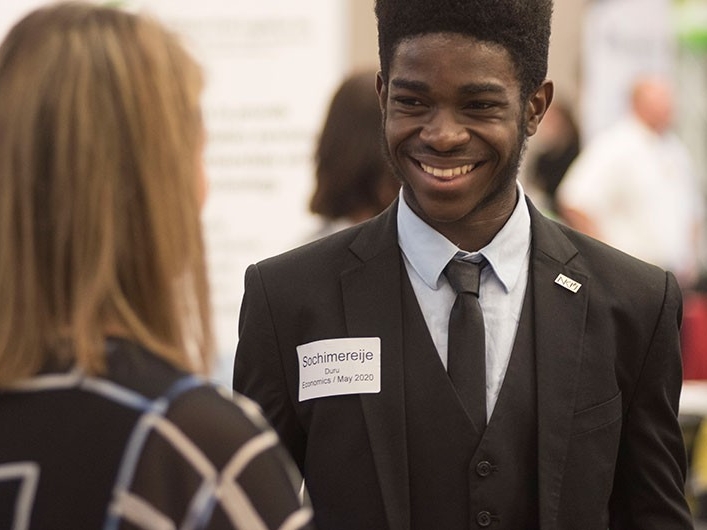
[[537, 105], [382, 90]]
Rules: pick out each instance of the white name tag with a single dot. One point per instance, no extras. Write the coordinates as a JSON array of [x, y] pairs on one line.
[[335, 367], [568, 283]]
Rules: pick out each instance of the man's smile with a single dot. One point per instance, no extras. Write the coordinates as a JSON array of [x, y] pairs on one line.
[[447, 172]]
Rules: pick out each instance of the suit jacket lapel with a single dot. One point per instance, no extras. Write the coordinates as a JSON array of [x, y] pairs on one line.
[[560, 316], [373, 307]]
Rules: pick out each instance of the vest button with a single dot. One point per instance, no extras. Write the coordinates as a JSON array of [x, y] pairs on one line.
[[484, 468], [483, 519]]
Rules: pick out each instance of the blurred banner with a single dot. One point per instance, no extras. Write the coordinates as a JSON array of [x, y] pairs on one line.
[[621, 39], [690, 18], [271, 67], [691, 24]]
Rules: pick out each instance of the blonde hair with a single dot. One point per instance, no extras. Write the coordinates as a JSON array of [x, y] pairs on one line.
[[100, 150]]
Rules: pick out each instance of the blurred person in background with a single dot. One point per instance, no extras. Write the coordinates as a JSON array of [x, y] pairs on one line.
[[105, 321], [634, 186], [353, 179], [557, 145]]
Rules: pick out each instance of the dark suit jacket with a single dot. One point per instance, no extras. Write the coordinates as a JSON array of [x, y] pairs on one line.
[[608, 367]]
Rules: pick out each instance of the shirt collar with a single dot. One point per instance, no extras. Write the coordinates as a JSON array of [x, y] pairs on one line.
[[428, 251]]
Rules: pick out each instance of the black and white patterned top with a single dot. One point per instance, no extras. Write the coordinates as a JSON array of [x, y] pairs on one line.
[[145, 446]]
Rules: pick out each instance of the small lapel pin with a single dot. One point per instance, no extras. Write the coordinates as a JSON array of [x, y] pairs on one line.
[[568, 283]]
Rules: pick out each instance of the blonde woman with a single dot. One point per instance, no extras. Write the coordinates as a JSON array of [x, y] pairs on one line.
[[104, 324]]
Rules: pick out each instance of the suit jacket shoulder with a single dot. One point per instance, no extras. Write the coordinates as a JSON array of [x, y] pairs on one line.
[[614, 275]]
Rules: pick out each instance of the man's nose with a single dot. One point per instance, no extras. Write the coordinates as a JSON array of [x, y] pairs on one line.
[[444, 132]]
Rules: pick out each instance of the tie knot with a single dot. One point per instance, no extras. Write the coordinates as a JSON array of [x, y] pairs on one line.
[[463, 276]]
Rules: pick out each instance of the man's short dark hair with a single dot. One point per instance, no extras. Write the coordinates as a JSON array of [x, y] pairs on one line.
[[521, 26]]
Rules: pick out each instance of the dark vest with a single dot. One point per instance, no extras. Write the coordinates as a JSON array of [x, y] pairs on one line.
[[461, 478]]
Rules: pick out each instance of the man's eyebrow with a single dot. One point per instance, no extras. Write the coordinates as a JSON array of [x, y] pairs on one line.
[[469, 89], [478, 88], [409, 84]]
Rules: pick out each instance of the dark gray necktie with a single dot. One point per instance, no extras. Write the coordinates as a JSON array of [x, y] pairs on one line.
[[466, 346]]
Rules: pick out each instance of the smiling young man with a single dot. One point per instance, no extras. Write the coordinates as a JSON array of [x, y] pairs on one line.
[[350, 343]]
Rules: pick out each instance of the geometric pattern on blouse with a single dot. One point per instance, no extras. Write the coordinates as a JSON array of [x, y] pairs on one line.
[[127, 506]]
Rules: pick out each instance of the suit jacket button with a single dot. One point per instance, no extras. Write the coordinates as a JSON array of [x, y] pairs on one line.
[[484, 468], [483, 519]]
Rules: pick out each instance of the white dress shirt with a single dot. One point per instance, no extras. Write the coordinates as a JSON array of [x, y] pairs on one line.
[[426, 252]]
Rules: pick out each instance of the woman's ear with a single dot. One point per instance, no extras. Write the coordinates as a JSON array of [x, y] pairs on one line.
[[537, 105]]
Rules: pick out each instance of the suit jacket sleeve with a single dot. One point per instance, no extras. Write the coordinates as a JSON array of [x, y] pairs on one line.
[[258, 371], [651, 465]]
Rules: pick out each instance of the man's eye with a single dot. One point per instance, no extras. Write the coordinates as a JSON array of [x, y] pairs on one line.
[[407, 102], [480, 105]]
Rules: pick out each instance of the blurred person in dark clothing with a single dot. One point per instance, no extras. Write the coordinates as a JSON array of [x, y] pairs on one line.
[[353, 179], [558, 145]]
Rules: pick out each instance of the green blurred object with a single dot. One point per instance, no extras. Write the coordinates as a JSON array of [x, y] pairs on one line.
[[690, 20]]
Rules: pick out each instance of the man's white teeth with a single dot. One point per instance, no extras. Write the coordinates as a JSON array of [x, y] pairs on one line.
[[450, 172]]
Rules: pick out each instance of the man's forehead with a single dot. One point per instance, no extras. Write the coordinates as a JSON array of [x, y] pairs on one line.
[[430, 57], [414, 45]]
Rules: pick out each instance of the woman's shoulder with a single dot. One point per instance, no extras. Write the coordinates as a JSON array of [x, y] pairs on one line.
[[197, 440]]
